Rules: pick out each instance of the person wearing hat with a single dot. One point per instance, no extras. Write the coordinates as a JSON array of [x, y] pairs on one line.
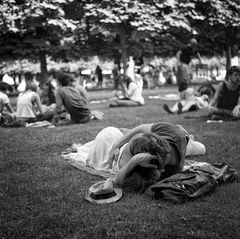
[[74, 99], [4, 100]]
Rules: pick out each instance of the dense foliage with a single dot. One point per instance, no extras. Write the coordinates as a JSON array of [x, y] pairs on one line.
[[72, 29]]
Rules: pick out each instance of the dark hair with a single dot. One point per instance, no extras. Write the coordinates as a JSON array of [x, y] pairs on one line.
[[50, 93], [208, 90], [4, 86], [64, 79], [28, 76], [231, 70], [141, 178], [30, 85], [125, 78], [153, 144]]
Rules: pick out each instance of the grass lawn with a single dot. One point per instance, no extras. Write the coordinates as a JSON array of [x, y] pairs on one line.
[[42, 196]]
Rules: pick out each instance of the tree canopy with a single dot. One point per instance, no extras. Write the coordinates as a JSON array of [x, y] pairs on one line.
[[71, 29]]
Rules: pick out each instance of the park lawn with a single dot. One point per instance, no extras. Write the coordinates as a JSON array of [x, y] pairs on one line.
[[42, 196]]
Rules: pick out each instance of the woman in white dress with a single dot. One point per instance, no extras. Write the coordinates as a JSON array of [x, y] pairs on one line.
[[138, 157]]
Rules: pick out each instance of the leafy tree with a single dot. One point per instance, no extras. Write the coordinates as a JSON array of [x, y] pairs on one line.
[[219, 30], [33, 29], [129, 26]]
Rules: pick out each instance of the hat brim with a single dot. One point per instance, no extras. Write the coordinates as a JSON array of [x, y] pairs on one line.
[[118, 195]]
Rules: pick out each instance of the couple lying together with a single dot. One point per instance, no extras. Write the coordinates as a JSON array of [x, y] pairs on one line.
[[141, 156]]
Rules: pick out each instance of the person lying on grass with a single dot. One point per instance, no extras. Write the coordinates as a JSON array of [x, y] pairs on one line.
[[193, 102], [140, 156], [130, 93], [226, 101]]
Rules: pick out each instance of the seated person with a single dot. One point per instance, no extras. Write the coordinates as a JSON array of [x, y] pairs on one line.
[[47, 93], [4, 101], [71, 99], [29, 107], [140, 156], [130, 93], [224, 104], [193, 102]]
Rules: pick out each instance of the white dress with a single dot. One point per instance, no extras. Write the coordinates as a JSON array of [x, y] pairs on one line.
[[95, 153]]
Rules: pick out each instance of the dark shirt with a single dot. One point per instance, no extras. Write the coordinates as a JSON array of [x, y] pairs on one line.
[[74, 100], [186, 54], [228, 99], [177, 139]]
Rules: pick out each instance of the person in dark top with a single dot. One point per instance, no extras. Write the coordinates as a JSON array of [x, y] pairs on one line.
[[99, 74], [73, 99], [184, 73], [151, 152], [226, 100]]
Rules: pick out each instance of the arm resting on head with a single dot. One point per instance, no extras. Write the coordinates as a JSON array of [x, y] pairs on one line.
[[141, 159], [143, 128]]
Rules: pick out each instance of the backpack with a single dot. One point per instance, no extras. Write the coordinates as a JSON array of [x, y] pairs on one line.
[[192, 183], [183, 186]]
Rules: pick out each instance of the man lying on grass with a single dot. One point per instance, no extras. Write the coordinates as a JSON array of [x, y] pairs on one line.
[[141, 156]]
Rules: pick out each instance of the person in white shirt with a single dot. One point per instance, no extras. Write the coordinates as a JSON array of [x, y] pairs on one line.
[[29, 107], [130, 93]]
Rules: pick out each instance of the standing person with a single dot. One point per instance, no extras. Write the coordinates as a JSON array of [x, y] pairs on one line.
[[99, 74], [184, 73], [4, 99], [130, 93], [73, 98], [226, 100], [131, 68], [115, 74]]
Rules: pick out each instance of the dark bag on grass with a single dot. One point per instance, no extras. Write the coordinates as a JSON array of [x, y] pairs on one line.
[[183, 186]]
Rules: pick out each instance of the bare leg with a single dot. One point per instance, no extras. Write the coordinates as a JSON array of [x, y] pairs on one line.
[[125, 103]]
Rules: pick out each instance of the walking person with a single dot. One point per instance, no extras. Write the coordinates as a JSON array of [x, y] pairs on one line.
[[99, 74], [184, 72]]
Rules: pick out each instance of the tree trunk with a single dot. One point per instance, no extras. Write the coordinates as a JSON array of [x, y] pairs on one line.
[[43, 66], [123, 47], [228, 57]]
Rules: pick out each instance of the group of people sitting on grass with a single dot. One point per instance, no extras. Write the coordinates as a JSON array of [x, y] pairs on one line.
[[222, 103], [38, 103], [70, 102]]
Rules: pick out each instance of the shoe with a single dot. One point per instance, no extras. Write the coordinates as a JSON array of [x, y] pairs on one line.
[[113, 105], [179, 108], [167, 109]]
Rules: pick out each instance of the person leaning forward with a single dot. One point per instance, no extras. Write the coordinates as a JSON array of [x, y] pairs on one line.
[[74, 99]]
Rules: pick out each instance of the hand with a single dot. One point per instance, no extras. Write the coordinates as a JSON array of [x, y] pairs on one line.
[[236, 111], [144, 159], [113, 154]]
